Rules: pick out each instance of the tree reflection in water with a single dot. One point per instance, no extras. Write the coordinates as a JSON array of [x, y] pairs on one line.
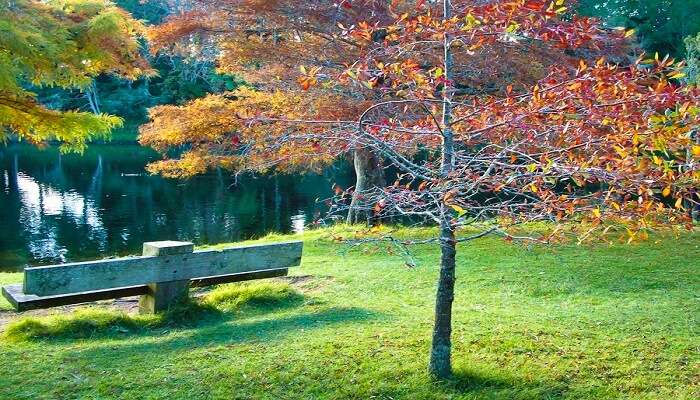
[[56, 208]]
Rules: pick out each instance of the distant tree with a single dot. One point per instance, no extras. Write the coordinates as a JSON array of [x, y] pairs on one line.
[[64, 44], [597, 150], [661, 25], [692, 45], [176, 79], [692, 77]]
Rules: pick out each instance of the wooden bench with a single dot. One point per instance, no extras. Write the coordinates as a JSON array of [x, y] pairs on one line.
[[161, 276]]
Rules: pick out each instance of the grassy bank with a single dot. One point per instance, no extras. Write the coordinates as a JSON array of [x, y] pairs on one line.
[[529, 323]]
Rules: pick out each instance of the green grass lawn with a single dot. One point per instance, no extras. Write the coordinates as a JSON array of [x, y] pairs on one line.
[[566, 322], [6, 278]]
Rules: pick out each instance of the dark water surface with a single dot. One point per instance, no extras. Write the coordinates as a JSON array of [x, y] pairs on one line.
[[57, 208]]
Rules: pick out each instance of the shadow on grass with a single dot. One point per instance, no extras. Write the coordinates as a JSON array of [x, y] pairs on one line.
[[155, 346], [223, 304], [494, 384]]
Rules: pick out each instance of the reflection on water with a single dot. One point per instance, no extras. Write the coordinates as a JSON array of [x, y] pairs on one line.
[[56, 208], [40, 202]]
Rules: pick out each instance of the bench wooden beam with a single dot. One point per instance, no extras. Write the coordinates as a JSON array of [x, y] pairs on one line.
[[25, 302], [138, 271]]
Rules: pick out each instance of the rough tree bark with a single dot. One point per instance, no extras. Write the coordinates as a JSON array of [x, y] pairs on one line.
[[441, 351], [369, 174]]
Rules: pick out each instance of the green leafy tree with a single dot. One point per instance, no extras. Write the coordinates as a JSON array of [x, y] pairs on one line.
[[661, 25], [176, 80], [63, 44]]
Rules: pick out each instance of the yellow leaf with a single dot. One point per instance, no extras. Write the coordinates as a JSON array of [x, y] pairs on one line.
[[460, 211], [696, 151], [679, 203], [582, 65], [620, 151], [677, 75], [596, 212], [667, 191], [629, 33], [471, 22], [513, 27]]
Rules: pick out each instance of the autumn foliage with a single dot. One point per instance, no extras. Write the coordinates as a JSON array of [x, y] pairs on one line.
[[282, 46], [62, 44], [218, 132]]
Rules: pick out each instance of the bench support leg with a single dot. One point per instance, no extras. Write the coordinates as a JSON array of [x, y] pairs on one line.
[[162, 295]]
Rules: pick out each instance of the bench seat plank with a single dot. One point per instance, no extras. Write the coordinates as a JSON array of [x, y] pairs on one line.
[[137, 271], [24, 302]]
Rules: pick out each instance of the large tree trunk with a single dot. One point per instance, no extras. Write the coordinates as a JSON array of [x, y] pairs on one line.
[[369, 175], [441, 351]]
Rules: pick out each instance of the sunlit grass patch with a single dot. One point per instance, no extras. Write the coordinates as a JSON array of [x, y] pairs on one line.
[[81, 323], [92, 321], [263, 294], [6, 279]]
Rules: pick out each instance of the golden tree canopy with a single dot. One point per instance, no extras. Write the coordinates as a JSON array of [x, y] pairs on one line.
[[66, 44]]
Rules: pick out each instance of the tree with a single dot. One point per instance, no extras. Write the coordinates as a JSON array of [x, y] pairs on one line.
[[175, 80], [63, 44], [601, 147], [692, 46], [597, 150], [267, 43], [661, 25]]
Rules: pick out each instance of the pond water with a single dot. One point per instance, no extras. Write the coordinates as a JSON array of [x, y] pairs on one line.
[[58, 208]]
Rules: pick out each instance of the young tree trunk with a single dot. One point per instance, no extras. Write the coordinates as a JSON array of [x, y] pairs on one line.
[[369, 174], [695, 209], [441, 351]]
